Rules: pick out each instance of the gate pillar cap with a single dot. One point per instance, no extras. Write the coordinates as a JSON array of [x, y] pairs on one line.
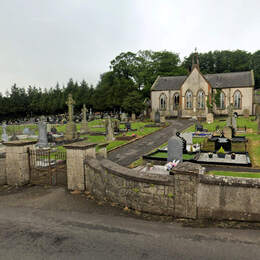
[[20, 142], [80, 145]]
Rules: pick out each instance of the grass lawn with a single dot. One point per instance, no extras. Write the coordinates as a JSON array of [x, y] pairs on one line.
[[236, 174], [165, 155]]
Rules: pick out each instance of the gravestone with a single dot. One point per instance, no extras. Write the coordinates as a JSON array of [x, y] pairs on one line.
[[71, 130], [210, 118], [133, 117], [54, 130], [228, 132], [109, 130], [4, 134], [42, 138], [26, 131], [128, 126], [198, 127], [175, 149], [124, 117], [48, 128], [157, 117], [162, 119], [117, 126], [84, 122], [187, 137], [234, 122], [246, 113]]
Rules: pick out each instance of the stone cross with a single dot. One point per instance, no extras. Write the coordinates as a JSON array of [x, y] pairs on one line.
[[109, 130], [230, 115], [70, 102], [84, 113]]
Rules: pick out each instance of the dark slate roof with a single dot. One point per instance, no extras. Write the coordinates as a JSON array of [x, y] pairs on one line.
[[229, 80], [221, 80], [169, 83]]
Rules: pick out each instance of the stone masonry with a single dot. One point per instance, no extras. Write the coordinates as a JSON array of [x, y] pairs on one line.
[[17, 166]]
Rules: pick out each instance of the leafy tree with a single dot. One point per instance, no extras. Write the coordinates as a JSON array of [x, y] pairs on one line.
[[133, 103]]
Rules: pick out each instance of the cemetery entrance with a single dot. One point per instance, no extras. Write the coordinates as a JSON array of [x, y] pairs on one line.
[[47, 167]]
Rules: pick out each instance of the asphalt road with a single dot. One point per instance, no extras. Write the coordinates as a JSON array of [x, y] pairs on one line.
[[129, 153], [50, 223]]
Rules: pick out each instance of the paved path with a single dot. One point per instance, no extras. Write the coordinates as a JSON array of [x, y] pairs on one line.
[[129, 153], [49, 223]]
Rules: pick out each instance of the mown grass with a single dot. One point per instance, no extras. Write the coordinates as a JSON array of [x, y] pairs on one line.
[[165, 155], [236, 174]]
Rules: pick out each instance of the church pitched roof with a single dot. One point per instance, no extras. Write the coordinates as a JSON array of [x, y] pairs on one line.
[[230, 80], [220, 80], [169, 83]]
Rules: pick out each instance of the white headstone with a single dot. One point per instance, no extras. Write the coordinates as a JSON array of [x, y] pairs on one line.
[[187, 137]]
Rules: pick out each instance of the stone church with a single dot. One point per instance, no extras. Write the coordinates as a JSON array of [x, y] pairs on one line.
[[189, 96]]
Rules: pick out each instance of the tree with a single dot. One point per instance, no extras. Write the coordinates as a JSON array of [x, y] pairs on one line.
[[133, 103]]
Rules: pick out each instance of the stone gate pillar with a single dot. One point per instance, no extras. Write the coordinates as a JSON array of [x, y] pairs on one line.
[[17, 162], [76, 154], [102, 149]]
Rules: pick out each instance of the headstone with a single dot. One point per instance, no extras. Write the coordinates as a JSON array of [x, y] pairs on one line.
[[4, 134], [227, 131], [109, 130], [157, 116], [234, 123], [124, 117], [198, 127], [128, 126], [71, 130], [210, 118], [54, 130], [246, 112], [26, 131], [84, 122], [133, 117], [117, 126], [175, 149], [42, 139], [187, 137], [48, 128], [162, 119]]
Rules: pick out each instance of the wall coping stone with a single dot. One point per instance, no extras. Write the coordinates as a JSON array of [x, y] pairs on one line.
[[229, 181], [80, 145], [188, 168], [127, 173], [20, 142], [102, 145]]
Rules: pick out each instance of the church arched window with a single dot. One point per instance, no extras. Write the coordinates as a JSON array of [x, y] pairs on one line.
[[162, 101], [176, 100], [201, 99], [221, 100], [188, 99], [237, 100]]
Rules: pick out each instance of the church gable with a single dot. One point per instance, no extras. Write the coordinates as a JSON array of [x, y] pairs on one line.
[[195, 82]]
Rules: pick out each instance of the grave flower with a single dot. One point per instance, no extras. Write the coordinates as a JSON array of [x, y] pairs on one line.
[[221, 152]]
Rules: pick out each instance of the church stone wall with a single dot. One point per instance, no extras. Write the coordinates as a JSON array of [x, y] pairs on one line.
[[155, 98], [194, 82], [247, 100]]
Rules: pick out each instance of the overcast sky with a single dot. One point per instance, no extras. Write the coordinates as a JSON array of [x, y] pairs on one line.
[[45, 41]]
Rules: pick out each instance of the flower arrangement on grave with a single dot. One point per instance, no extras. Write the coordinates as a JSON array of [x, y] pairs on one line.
[[210, 154], [221, 152], [233, 156]]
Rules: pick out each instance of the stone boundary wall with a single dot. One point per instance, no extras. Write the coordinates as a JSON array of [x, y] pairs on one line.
[[106, 180], [3, 179], [230, 198], [188, 193]]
